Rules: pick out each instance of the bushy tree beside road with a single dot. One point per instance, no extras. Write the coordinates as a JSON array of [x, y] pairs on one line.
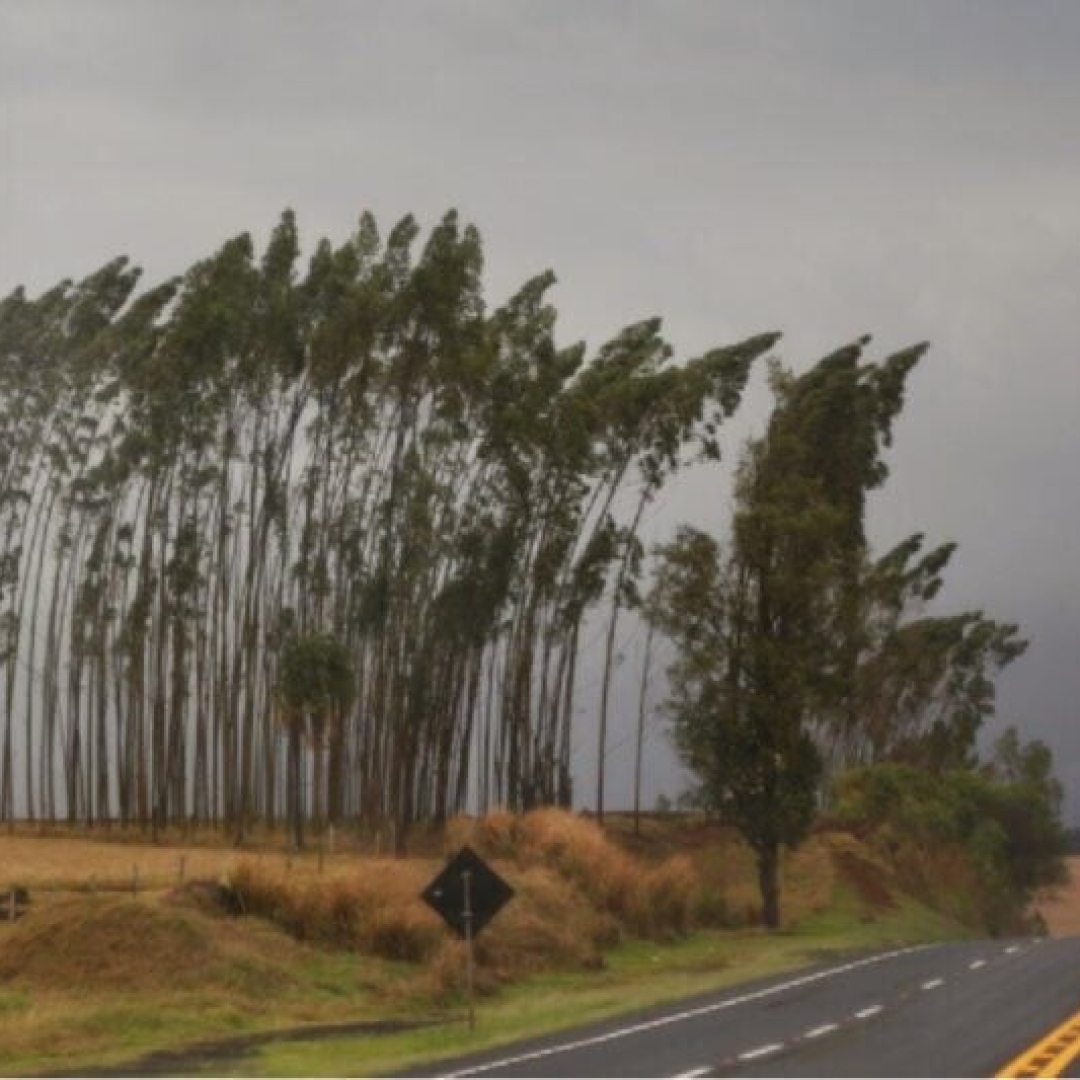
[[798, 655]]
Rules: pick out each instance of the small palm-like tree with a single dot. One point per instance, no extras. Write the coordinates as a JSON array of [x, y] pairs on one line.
[[315, 687]]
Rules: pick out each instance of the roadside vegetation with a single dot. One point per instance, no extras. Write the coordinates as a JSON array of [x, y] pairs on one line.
[[993, 832], [300, 561], [603, 920], [322, 541]]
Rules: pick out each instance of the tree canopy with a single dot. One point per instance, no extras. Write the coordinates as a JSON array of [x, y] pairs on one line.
[[353, 445], [797, 654], [315, 539]]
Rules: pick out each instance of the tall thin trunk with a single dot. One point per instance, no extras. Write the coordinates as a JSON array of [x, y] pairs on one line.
[[646, 664]]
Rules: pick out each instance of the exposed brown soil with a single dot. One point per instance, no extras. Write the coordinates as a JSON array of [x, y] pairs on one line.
[[1060, 907], [866, 878]]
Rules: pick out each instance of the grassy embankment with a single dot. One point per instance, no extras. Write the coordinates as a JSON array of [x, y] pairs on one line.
[[600, 924]]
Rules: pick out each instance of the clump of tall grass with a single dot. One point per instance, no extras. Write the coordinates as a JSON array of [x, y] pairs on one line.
[[495, 835], [377, 912], [577, 892], [549, 925], [577, 849], [661, 900], [668, 900]]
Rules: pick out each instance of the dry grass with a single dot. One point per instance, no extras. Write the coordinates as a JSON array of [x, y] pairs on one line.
[[106, 943], [66, 863], [640, 896], [1060, 907], [69, 863], [872, 882], [549, 925], [96, 973], [375, 909], [577, 893], [942, 876], [676, 875]]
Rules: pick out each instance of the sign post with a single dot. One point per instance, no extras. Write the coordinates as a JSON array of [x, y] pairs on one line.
[[467, 915], [467, 894]]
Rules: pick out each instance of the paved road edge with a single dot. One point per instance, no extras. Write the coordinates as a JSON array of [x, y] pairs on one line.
[[1051, 1055]]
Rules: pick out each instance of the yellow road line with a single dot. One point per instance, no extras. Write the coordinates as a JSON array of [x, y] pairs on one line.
[[1051, 1055]]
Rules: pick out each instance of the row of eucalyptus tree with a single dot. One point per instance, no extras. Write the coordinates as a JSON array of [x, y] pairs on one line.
[[355, 450]]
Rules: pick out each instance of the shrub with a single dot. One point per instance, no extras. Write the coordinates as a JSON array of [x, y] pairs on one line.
[[963, 841]]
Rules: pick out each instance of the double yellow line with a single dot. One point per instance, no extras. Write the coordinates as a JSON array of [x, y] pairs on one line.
[[1050, 1056]]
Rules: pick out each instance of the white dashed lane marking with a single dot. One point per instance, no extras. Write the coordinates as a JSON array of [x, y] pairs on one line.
[[688, 1014], [827, 1029], [761, 1051]]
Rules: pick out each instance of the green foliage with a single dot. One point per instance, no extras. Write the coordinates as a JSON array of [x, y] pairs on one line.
[[359, 443], [315, 684], [315, 687], [921, 686], [1006, 826], [757, 624]]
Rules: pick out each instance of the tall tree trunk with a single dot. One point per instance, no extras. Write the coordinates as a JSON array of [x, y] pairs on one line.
[[768, 866], [646, 664]]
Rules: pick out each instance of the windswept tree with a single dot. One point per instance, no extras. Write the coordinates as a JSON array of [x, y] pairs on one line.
[[758, 621], [920, 686], [358, 445]]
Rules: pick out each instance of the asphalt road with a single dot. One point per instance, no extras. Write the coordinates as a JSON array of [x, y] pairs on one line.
[[959, 1009]]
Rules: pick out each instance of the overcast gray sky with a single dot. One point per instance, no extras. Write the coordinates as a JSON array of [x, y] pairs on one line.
[[825, 169]]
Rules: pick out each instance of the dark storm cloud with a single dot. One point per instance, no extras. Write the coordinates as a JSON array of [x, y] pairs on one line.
[[825, 169]]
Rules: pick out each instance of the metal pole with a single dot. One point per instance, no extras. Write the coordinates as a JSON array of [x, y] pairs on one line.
[[467, 915]]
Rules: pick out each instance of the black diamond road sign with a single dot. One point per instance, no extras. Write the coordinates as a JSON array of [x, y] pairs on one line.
[[487, 892]]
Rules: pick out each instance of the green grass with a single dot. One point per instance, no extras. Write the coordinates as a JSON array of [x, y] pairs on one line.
[[909, 922], [71, 1030], [77, 1034], [249, 978], [636, 975], [11, 1003]]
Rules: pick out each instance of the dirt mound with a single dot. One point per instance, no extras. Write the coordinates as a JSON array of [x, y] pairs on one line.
[[141, 945], [866, 877]]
